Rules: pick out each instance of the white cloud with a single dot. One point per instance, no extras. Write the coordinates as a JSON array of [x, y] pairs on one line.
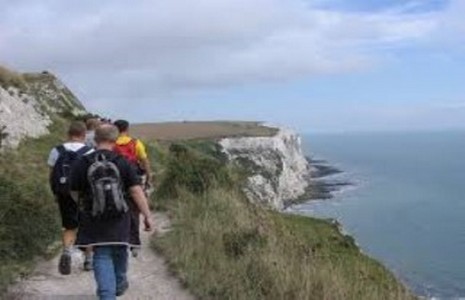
[[118, 48]]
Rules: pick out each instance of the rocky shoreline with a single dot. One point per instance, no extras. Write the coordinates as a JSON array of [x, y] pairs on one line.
[[320, 184]]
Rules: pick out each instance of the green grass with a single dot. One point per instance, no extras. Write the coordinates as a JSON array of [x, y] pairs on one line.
[[223, 247], [28, 214]]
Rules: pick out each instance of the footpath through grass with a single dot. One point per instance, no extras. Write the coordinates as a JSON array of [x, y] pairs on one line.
[[223, 247]]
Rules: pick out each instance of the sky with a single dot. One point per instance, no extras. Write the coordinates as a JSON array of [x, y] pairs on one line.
[[312, 65]]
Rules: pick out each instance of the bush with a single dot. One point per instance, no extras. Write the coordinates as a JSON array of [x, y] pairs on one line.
[[29, 222], [29, 225], [190, 170]]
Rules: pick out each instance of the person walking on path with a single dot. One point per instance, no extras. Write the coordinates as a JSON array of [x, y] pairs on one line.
[[104, 183], [91, 124], [135, 152], [60, 161]]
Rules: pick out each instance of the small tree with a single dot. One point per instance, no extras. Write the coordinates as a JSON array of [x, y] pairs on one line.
[[3, 135]]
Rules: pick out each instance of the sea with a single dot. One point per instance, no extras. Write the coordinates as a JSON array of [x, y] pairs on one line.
[[405, 205]]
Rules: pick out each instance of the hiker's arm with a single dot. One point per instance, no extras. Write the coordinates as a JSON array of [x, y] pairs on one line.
[[143, 159], [52, 157], [146, 166], [50, 174], [138, 195]]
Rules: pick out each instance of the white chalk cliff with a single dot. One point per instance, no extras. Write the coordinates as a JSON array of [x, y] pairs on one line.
[[279, 171], [20, 115], [27, 110]]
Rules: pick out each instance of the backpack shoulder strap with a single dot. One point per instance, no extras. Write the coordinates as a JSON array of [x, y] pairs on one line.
[[83, 150], [61, 149], [116, 159]]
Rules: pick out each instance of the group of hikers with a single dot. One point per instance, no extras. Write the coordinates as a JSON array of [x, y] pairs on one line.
[[100, 177]]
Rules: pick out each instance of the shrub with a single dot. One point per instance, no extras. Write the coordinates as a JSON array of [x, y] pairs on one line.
[[28, 219], [29, 225], [191, 170]]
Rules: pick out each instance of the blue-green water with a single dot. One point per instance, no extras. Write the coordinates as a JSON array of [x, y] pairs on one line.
[[408, 206]]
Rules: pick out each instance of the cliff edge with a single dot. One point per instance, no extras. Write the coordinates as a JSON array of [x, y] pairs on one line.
[[279, 171]]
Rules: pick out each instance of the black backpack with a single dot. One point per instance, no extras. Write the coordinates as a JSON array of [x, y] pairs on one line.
[[59, 180], [106, 187]]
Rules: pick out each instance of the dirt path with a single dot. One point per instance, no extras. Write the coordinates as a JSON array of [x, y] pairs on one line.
[[148, 277]]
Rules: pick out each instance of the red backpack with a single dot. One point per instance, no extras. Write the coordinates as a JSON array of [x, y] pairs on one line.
[[128, 151]]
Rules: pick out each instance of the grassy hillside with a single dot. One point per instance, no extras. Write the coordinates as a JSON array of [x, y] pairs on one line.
[[223, 247], [28, 214]]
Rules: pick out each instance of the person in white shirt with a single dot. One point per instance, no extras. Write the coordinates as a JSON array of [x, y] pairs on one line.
[[60, 161]]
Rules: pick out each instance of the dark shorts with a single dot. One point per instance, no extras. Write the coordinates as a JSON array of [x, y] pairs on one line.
[[69, 211]]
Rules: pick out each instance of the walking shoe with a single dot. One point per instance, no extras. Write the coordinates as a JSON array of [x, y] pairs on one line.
[[88, 264], [64, 266], [135, 252], [120, 290]]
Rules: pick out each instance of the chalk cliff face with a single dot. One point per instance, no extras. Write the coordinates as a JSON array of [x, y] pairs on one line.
[[279, 170], [20, 116], [27, 107]]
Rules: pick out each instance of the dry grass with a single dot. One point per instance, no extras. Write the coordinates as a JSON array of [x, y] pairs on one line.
[[176, 131], [10, 78]]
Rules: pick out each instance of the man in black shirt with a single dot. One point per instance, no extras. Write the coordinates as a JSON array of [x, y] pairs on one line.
[[109, 234]]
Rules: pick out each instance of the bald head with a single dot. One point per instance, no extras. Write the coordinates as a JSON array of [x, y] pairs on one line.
[[106, 134]]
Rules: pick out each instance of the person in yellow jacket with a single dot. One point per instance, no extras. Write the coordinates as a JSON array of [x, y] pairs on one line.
[[134, 151]]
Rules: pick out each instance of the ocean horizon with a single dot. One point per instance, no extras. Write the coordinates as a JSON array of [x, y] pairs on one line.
[[405, 203]]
